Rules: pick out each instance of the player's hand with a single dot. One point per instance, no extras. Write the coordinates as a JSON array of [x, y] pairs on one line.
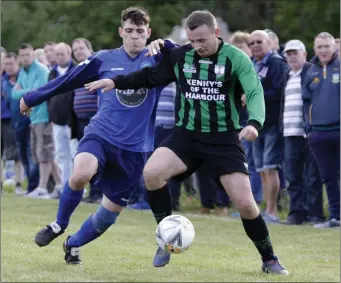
[[243, 99], [105, 84], [154, 47], [249, 133], [24, 109]]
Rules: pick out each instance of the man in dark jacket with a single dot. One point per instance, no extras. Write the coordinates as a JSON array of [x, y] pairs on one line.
[[300, 166], [59, 110], [268, 148], [321, 94]]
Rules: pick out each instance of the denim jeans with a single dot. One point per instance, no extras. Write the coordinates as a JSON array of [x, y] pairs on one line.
[[62, 138], [268, 149], [25, 154], [255, 179], [326, 148]]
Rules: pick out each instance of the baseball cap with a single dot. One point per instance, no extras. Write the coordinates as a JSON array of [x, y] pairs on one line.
[[294, 44]]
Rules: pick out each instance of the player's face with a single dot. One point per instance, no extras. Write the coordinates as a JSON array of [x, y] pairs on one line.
[[134, 37], [26, 57], [11, 66], [203, 40], [324, 49], [80, 51]]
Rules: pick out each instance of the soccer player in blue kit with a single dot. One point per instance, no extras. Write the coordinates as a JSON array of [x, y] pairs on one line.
[[113, 152]]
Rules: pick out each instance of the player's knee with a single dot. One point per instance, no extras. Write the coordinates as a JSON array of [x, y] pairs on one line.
[[79, 179], [103, 219], [247, 207], [153, 178]]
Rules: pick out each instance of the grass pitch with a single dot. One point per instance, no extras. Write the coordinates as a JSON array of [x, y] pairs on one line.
[[221, 251]]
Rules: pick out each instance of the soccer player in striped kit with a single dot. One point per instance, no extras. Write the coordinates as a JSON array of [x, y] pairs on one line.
[[207, 127]]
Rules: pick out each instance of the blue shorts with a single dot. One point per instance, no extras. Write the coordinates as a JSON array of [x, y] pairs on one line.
[[119, 170], [268, 149]]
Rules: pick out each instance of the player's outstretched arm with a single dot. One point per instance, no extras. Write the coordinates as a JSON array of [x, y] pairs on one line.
[[158, 75], [77, 77]]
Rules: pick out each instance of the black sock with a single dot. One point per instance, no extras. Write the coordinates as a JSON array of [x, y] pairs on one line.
[[258, 233], [160, 203], [18, 184]]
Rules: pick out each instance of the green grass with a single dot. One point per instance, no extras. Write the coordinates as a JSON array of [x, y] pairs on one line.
[[221, 252]]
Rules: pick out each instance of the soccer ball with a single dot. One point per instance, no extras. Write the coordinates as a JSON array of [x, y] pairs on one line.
[[175, 234], [9, 185]]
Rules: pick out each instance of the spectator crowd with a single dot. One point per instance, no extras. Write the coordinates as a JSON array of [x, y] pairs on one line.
[[297, 151]]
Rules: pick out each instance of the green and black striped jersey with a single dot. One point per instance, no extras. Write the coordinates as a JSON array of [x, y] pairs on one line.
[[209, 97]]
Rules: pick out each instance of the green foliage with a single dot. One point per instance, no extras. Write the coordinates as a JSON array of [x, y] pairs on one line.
[[39, 21]]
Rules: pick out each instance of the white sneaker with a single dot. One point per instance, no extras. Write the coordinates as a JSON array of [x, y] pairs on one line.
[[56, 192], [38, 193], [19, 191]]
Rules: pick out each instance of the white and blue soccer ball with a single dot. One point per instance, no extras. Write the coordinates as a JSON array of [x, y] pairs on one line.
[[175, 234], [9, 185]]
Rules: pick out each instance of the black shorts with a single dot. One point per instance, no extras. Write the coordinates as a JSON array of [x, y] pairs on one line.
[[221, 154]]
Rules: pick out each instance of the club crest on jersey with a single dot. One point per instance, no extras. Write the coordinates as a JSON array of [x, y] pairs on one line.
[[188, 68], [132, 97], [145, 65], [336, 78], [219, 70]]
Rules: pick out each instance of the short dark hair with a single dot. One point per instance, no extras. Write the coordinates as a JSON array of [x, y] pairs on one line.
[[200, 18], [47, 43], [25, 46], [137, 15], [12, 55], [86, 42]]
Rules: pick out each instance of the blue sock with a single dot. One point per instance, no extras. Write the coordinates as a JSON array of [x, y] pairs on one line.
[[93, 227], [69, 200]]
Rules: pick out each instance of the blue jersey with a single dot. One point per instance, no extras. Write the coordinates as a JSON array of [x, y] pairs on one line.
[[125, 118]]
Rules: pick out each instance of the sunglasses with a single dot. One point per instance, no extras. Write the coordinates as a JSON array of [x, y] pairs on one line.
[[256, 41]]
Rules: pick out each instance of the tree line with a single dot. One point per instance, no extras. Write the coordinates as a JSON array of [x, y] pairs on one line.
[[38, 21]]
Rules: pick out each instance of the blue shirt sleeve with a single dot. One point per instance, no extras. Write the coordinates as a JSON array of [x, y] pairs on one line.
[[85, 72]]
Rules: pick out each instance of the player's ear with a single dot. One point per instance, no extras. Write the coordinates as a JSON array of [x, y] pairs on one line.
[[149, 32], [120, 30], [216, 32]]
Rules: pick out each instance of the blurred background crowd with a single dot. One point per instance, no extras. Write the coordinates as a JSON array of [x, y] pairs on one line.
[[295, 49]]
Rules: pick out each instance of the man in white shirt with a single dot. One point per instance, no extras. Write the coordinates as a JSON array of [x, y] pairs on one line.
[[300, 167]]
